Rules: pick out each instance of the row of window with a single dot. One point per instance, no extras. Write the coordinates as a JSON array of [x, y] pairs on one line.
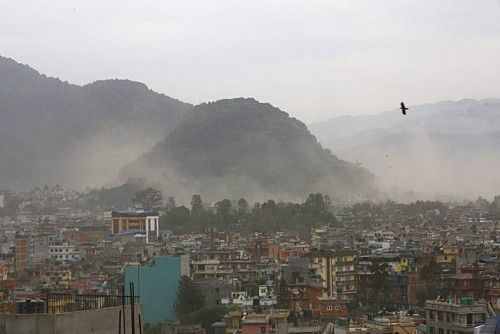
[[65, 257], [448, 316], [60, 250], [432, 330]]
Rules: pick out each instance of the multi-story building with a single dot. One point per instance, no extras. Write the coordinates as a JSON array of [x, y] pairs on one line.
[[146, 222], [337, 271], [64, 252], [478, 286], [456, 316], [210, 269], [21, 247]]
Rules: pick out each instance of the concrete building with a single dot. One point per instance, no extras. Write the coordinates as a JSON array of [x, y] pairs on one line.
[[157, 286], [100, 321], [175, 328], [258, 324], [64, 252], [145, 221], [21, 247], [337, 271], [456, 316]]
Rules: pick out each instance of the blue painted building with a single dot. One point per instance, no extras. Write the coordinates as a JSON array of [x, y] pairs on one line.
[[156, 286]]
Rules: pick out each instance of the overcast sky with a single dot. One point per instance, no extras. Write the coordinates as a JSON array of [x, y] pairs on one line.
[[313, 59]]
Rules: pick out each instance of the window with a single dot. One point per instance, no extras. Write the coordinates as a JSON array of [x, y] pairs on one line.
[[440, 315], [431, 314], [263, 329], [329, 307], [432, 330], [440, 331]]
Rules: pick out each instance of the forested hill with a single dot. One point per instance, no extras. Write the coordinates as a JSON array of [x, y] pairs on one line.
[[54, 132], [243, 148]]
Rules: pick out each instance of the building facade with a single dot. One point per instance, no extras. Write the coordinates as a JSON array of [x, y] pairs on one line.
[[147, 222]]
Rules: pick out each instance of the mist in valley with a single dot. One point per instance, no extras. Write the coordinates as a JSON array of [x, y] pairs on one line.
[[444, 150]]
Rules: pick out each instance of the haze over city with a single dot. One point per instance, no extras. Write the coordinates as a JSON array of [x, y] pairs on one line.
[[250, 167]]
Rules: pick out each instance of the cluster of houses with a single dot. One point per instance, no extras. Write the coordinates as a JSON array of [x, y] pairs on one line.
[[284, 282]]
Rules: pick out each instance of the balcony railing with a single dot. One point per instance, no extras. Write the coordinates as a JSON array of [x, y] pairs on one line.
[[56, 303]]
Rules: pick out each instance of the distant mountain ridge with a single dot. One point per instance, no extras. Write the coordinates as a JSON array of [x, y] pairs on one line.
[[55, 132], [449, 147], [241, 147]]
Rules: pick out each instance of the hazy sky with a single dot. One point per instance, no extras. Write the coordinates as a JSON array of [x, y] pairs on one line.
[[313, 59]]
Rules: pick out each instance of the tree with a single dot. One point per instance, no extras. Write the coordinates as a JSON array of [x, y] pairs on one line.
[[196, 206], [355, 307], [171, 203], [318, 207], [283, 295], [315, 204], [495, 206], [223, 211], [189, 297], [431, 272], [431, 275], [242, 206], [379, 283], [179, 217], [152, 329], [149, 198], [223, 208], [205, 316]]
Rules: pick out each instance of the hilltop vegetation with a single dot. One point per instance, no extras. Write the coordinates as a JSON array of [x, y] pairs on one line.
[[266, 217], [54, 132], [243, 148]]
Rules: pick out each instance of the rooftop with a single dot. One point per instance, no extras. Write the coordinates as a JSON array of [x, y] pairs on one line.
[[134, 213]]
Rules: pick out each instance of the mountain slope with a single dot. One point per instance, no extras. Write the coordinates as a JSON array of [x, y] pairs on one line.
[[240, 147], [55, 132], [449, 147]]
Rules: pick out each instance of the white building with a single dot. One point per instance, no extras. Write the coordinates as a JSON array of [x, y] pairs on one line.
[[64, 252], [152, 227]]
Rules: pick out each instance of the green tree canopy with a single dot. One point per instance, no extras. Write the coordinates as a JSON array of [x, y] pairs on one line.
[[205, 316], [189, 297], [283, 295], [170, 203], [148, 198], [196, 206]]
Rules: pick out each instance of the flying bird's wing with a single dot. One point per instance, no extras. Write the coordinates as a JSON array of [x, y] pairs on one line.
[[403, 108]]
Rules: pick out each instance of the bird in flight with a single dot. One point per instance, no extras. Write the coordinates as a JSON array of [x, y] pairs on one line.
[[403, 108]]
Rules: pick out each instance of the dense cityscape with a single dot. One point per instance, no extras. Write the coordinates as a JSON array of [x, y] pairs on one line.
[[249, 167], [319, 265]]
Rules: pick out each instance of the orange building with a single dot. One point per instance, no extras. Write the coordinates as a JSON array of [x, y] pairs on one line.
[[329, 308], [258, 324], [146, 222], [21, 244]]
